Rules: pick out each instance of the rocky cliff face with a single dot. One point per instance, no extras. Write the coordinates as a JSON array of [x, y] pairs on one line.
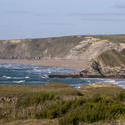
[[72, 47], [109, 64]]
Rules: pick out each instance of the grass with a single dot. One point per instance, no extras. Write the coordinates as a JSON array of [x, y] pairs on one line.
[[47, 47], [29, 90], [31, 122], [101, 89], [112, 58], [60, 104], [39, 98], [113, 38], [90, 110]]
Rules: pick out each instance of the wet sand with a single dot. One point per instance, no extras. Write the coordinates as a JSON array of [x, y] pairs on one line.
[[69, 63]]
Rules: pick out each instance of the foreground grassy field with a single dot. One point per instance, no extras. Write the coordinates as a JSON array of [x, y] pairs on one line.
[[60, 104]]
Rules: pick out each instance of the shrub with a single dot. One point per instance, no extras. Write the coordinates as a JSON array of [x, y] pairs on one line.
[[90, 110], [41, 115], [53, 113], [94, 110], [36, 99], [121, 96]]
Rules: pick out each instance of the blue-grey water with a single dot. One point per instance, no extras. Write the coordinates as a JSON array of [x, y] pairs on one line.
[[33, 74]]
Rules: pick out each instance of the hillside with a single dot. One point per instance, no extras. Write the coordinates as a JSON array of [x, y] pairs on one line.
[[109, 64], [70, 47], [112, 58]]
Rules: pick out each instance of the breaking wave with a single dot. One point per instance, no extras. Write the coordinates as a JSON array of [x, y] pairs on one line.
[[33, 74]]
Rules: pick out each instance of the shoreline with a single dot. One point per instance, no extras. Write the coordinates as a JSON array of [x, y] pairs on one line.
[[68, 63]]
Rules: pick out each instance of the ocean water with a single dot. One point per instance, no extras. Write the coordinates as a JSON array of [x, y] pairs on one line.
[[33, 74]]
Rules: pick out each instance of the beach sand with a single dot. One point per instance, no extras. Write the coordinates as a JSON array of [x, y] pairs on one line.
[[69, 63]]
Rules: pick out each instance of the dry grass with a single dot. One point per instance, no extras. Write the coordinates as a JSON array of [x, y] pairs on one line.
[[54, 99], [113, 38], [26, 90], [117, 122], [21, 102], [55, 122], [31, 122], [100, 89]]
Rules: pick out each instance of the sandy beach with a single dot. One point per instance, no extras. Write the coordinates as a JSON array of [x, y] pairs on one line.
[[81, 64]]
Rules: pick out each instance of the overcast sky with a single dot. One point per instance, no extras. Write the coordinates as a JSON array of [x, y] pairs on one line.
[[50, 18]]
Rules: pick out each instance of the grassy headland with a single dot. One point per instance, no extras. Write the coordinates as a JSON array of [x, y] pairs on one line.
[[68, 47], [112, 58], [61, 104], [68, 51]]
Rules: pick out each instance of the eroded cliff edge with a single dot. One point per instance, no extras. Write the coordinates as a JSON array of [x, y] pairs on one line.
[[109, 64], [69, 47], [105, 52]]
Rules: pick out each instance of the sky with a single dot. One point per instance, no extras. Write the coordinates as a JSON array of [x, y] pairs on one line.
[[52, 18]]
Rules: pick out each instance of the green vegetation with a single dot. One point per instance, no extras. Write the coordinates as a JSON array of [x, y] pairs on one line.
[[58, 47], [113, 38], [112, 58], [94, 110], [36, 99], [56, 103], [109, 90], [47, 47]]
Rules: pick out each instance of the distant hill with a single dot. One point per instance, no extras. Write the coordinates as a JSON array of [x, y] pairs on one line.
[[69, 47]]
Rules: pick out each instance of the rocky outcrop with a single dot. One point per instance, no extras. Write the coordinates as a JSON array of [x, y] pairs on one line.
[[91, 47], [110, 64], [107, 71]]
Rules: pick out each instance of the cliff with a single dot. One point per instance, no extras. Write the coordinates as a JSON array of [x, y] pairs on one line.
[[70, 47], [112, 58], [109, 64]]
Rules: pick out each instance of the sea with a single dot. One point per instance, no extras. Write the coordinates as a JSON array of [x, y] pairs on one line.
[[36, 75]]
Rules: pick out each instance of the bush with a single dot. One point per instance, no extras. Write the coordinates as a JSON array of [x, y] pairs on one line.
[[37, 99], [121, 96], [94, 110], [53, 113], [73, 117], [90, 110], [41, 115]]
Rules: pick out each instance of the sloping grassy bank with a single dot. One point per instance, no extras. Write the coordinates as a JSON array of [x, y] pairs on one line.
[[112, 58], [60, 104]]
